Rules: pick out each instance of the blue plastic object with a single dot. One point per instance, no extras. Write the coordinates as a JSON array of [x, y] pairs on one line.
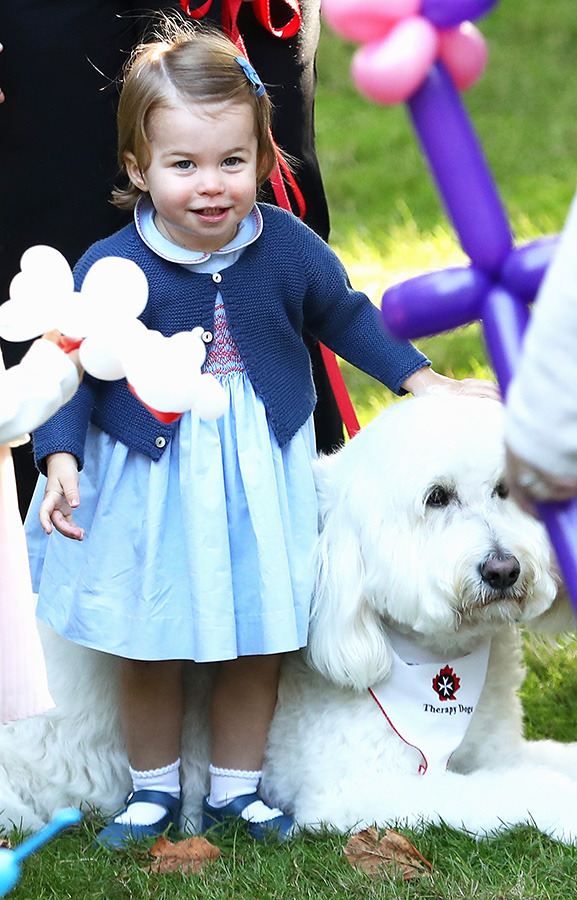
[[10, 859]]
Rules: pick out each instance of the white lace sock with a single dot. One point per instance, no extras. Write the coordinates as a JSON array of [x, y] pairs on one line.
[[166, 779], [226, 784]]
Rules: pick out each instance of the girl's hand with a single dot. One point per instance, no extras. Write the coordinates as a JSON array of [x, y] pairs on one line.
[[426, 380], [61, 496], [529, 485]]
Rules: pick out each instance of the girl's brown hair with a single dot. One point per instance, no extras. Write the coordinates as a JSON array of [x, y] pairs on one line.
[[194, 65]]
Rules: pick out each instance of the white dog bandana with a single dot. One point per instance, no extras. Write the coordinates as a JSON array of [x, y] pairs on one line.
[[430, 704]]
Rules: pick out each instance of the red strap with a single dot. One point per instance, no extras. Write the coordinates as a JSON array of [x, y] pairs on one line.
[[340, 391], [279, 178]]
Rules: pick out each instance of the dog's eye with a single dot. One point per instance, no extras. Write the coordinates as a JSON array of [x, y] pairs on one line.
[[501, 490], [438, 496]]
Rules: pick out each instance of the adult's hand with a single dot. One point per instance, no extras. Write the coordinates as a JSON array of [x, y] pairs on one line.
[[529, 484]]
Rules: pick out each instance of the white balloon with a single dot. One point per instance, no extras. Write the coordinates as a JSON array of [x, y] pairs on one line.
[[36, 294], [211, 401], [51, 264], [99, 359], [26, 288], [164, 371], [21, 321], [44, 277], [76, 317], [102, 352], [114, 289], [187, 350], [115, 286]]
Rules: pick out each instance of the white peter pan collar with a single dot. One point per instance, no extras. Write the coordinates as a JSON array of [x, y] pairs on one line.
[[248, 231]]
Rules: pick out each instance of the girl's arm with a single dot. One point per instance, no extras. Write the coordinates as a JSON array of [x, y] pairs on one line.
[[61, 496], [425, 380], [347, 322]]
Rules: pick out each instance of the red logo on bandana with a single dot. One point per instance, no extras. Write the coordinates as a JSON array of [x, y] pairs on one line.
[[446, 684]]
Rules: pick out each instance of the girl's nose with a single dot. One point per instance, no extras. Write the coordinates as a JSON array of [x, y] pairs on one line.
[[210, 182]]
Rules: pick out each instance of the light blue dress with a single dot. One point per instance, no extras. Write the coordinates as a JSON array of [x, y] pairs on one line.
[[205, 554]]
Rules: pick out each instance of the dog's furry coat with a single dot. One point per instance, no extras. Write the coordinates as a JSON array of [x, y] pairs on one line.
[[415, 526]]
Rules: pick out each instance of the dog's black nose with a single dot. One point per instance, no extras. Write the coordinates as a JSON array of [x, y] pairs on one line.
[[500, 572]]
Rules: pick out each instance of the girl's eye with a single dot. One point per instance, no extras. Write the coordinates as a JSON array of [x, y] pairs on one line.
[[184, 164], [231, 161]]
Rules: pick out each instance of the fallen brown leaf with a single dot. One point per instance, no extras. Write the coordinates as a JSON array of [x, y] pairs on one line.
[[186, 856], [393, 851]]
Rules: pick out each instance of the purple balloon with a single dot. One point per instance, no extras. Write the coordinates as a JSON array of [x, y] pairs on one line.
[[560, 519], [504, 319], [449, 13], [524, 268], [435, 302], [460, 171]]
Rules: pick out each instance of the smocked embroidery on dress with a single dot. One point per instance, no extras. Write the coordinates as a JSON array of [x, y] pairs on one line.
[[223, 357]]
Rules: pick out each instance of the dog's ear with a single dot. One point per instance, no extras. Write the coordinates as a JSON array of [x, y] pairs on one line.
[[347, 643]]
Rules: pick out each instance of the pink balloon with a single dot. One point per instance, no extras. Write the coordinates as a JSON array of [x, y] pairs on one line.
[[366, 20], [390, 70], [464, 52]]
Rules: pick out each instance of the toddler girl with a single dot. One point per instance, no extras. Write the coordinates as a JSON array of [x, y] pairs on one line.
[[192, 540]]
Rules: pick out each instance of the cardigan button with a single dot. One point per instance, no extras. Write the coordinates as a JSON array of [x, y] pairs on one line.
[[217, 277], [207, 336], [160, 442]]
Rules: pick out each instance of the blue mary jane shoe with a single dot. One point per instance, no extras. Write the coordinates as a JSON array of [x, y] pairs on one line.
[[118, 835], [279, 828]]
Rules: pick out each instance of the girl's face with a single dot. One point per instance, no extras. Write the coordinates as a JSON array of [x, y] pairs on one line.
[[202, 172]]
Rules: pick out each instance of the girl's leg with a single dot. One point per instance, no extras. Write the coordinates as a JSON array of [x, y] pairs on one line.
[[152, 709], [243, 705]]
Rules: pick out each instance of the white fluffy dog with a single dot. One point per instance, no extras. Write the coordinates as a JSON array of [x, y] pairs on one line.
[[422, 559]]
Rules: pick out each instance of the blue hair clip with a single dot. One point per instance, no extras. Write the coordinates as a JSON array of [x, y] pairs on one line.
[[251, 74]]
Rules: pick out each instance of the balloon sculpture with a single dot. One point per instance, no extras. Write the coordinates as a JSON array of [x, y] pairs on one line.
[[423, 52], [10, 859], [163, 372]]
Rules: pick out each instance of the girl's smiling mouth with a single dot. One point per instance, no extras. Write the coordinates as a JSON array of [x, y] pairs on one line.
[[211, 212]]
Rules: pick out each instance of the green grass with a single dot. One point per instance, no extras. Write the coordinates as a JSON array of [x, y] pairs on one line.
[[388, 224], [518, 864]]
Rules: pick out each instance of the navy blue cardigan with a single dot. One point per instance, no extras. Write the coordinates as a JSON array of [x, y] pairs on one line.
[[287, 280]]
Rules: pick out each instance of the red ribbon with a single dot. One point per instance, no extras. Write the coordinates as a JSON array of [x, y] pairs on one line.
[[198, 12], [287, 29], [68, 344]]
